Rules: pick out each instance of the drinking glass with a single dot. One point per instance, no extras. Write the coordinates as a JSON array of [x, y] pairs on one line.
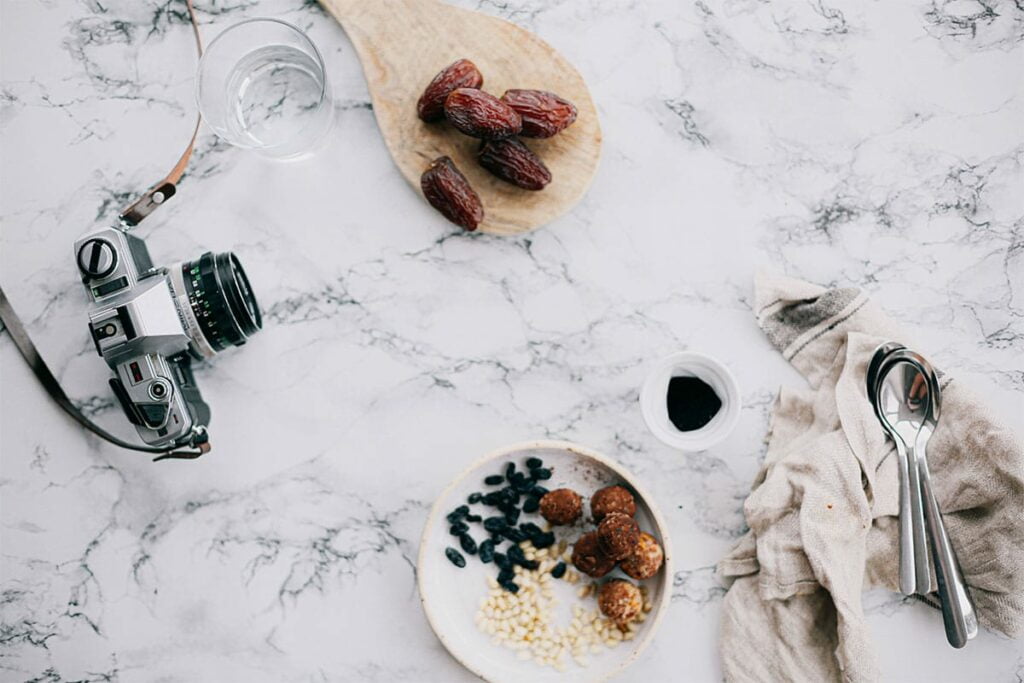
[[262, 86]]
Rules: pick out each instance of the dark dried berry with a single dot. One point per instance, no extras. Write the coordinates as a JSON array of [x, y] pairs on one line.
[[514, 535], [458, 528], [510, 470], [520, 482], [530, 528], [468, 544], [506, 574], [454, 516], [533, 463], [494, 480], [543, 540], [460, 74], [495, 524], [512, 516], [455, 557], [462, 510], [531, 504], [497, 537], [510, 586], [516, 555], [481, 115], [487, 551], [474, 498], [538, 491], [473, 518], [492, 498], [558, 571], [513, 162], [501, 561], [449, 192], [543, 113], [541, 473]]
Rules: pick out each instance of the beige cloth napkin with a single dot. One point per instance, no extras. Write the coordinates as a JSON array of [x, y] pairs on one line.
[[822, 512]]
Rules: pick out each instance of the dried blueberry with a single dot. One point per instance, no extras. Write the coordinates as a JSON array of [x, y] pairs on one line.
[[510, 586], [543, 540], [487, 551], [473, 518], [538, 491], [492, 498], [474, 497], [512, 516], [534, 463], [468, 544], [495, 524], [454, 516], [458, 528], [541, 473], [531, 504], [501, 561], [559, 570], [494, 480], [520, 482], [506, 574], [514, 535], [455, 556], [516, 555], [530, 528]]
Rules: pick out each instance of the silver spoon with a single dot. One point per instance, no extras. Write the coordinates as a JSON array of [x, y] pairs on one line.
[[918, 403], [907, 573]]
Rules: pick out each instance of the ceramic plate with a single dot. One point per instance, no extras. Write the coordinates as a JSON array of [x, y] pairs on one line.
[[451, 596]]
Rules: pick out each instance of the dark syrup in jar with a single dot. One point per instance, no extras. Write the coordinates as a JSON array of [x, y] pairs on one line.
[[692, 403]]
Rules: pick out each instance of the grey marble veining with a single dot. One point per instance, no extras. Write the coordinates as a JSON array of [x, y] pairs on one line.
[[868, 144]]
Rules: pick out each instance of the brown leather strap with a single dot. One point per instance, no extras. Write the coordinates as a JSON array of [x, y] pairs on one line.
[[159, 193]]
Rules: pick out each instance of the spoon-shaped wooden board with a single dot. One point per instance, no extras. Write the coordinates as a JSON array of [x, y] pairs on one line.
[[402, 44]]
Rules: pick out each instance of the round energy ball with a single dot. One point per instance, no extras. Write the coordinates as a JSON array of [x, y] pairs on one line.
[[588, 557], [611, 499], [618, 535], [646, 558], [561, 506], [620, 601]]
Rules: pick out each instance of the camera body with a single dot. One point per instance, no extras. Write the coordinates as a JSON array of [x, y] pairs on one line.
[[149, 324]]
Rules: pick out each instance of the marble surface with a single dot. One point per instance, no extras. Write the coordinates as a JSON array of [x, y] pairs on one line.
[[869, 143]]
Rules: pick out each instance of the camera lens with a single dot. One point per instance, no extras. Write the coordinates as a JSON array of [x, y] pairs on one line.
[[222, 302]]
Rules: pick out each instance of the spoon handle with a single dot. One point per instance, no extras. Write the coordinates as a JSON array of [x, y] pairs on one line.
[[958, 612], [908, 578], [922, 563]]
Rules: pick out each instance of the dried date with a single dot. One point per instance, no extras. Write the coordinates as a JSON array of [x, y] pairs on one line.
[[544, 114], [513, 162], [449, 192], [481, 115], [459, 74]]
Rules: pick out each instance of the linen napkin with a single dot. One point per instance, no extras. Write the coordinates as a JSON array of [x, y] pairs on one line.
[[822, 511]]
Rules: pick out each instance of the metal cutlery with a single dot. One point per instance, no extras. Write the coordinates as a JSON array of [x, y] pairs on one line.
[[907, 401]]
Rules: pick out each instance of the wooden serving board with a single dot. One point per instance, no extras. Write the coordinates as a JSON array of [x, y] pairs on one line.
[[402, 44]]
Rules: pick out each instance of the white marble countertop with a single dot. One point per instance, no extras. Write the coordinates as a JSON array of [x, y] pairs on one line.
[[873, 144]]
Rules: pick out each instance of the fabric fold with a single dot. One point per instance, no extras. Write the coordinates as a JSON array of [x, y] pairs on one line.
[[821, 513]]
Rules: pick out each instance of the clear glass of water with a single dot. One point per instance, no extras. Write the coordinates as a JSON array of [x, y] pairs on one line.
[[262, 86]]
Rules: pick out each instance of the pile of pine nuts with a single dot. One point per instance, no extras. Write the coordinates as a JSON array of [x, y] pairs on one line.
[[523, 621]]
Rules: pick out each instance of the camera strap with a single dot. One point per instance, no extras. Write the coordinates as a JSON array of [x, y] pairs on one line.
[[159, 193], [154, 197]]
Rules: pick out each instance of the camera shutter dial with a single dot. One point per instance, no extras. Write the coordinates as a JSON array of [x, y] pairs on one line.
[[97, 258]]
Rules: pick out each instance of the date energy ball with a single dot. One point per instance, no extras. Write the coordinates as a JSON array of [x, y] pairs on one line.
[[588, 558], [618, 535], [646, 558], [620, 601], [561, 506], [611, 499]]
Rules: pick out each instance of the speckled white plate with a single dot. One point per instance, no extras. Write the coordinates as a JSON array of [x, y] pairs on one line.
[[451, 596]]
